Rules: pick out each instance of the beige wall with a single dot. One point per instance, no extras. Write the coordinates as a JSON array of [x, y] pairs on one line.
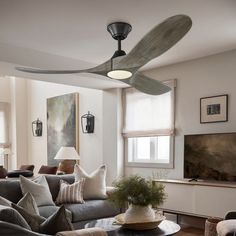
[[91, 148], [5, 94]]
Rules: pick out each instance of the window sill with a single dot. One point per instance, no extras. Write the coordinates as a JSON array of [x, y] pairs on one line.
[[150, 165]]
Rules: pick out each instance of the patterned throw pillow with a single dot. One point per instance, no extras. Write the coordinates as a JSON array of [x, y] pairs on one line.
[[95, 183], [70, 193]]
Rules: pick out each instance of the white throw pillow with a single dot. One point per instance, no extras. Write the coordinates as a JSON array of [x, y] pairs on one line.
[[71, 193], [95, 183], [39, 190]]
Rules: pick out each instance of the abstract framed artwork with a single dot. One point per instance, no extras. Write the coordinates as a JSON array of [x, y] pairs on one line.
[[214, 109], [62, 124]]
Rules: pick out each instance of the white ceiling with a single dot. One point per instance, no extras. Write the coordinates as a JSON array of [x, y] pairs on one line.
[[72, 33]]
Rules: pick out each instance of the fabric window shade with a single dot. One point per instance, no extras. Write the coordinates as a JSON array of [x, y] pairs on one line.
[[148, 115], [4, 124]]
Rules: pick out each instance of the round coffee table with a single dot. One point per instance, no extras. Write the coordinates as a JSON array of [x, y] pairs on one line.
[[166, 227]]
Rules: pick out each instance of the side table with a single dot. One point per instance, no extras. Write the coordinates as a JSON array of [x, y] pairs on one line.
[[165, 228]]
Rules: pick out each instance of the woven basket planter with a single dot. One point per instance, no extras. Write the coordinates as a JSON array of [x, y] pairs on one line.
[[210, 226]]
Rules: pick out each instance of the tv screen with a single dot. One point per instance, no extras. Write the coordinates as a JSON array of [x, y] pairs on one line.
[[210, 156]]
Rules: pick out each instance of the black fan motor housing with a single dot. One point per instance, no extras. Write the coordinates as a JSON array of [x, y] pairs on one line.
[[119, 30]]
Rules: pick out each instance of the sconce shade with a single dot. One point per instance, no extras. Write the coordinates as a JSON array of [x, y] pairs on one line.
[[67, 153], [37, 128], [6, 151], [87, 123]]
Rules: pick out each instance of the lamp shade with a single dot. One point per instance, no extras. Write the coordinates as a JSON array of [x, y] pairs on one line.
[[67, 153]]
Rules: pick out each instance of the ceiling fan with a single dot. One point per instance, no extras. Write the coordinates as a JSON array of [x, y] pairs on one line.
[[125, 67]]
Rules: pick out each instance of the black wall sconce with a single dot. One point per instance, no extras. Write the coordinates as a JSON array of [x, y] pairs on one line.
[[87, 123], [37, 128]]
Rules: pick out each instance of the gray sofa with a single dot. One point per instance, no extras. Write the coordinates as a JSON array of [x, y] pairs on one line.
[[81, 213]]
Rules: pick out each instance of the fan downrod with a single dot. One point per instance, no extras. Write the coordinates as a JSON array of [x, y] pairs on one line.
[[119, 31]]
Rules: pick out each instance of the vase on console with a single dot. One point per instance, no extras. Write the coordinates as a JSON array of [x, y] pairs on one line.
[[3, 172]]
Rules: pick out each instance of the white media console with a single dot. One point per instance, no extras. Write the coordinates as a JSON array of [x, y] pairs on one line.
[[200, 198]]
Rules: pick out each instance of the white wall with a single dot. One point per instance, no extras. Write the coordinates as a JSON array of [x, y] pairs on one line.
[[5, 95], [203, 77], [112, 139], [91, 147], [19, 121], [13, 90]]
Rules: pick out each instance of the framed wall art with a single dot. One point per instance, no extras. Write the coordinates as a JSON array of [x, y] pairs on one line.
[[62, 124], [214, 109]]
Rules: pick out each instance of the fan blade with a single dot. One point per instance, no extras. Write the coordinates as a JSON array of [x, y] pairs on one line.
[[157, 41], [100, 69], [39, 71], [147, 85]]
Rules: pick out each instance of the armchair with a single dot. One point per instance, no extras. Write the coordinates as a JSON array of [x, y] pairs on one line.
[[227, 227]]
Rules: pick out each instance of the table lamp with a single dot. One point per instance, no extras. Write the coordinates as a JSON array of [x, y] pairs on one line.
[[69, 157], [6, 152]]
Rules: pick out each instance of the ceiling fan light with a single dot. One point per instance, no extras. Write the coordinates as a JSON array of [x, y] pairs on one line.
[[119, 74]]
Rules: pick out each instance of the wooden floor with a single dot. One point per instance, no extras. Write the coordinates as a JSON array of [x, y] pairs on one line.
[[190, 231], [190, 226]]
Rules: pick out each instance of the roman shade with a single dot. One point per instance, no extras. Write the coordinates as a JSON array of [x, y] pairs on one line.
[[148, 115]]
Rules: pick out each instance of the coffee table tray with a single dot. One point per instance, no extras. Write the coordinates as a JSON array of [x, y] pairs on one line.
[[119, 219]]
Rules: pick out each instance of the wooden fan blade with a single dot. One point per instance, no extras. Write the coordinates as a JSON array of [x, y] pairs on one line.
[[100, 69], [147, 85], [39, 71], [157, 41]]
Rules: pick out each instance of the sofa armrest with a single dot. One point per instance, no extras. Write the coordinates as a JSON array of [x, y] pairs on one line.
[[226, 228], [8, 229], [84, 232], [230, 215]]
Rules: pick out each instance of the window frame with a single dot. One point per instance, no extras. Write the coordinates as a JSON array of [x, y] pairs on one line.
[[153, 133]]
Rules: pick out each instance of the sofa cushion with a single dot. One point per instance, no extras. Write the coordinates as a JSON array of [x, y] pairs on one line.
[[56, 222], [10, 215], [92, 209], [11, 190], [38, 188], [54, 183], [47, 211], [33, 220], [95, 183]]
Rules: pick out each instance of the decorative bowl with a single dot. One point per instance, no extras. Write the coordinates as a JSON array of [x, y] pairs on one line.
[[119, 219]]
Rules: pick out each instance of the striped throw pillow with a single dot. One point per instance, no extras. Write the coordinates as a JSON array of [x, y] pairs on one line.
[[70, 193]]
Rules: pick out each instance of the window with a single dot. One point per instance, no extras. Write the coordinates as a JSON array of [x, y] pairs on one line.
[[149, 128]]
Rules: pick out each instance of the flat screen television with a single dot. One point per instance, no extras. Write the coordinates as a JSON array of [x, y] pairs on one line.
[[210, 156]]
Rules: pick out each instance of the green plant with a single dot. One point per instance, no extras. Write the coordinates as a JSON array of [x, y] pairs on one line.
[[138, 191]]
